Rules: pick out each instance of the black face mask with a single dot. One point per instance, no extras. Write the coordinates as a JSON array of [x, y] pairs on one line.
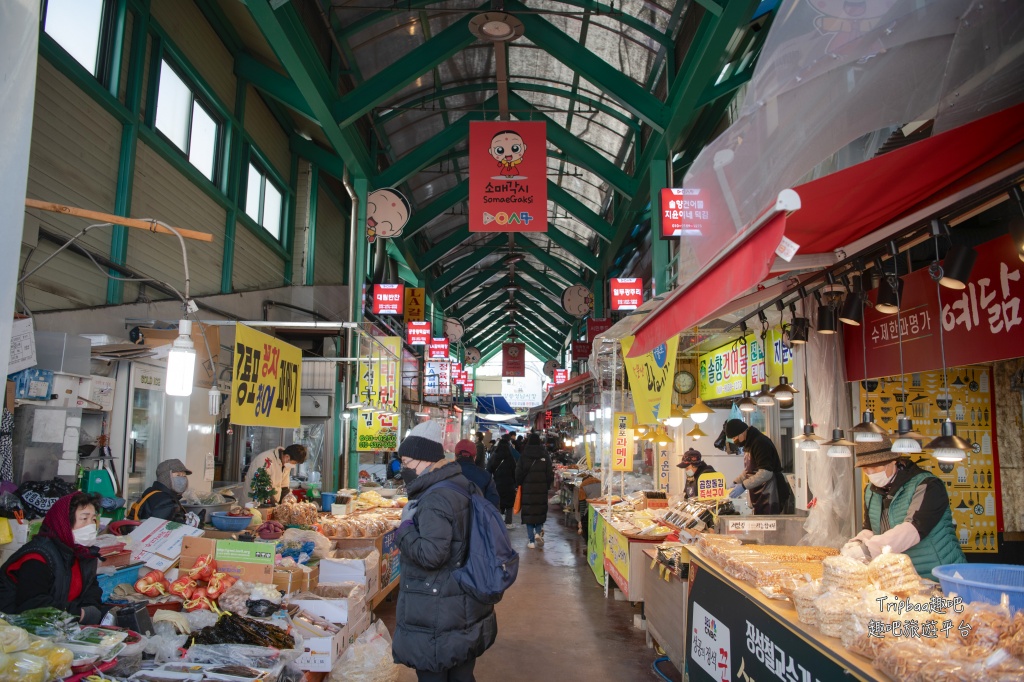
[[409, 475]]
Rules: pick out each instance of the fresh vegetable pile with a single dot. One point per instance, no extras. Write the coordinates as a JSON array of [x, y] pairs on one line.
[[232, 629]]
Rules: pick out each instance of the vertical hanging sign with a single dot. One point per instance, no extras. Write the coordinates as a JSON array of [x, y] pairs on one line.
[[508, 176], [513, 360], [561, 376], [622, 445], [415, 304], [627, 293], [265, 384], [388, 299], [379, 382], [650, 377]]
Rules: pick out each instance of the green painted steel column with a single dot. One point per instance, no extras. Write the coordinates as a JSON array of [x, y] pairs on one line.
[[314, 193], [600, 284], [361, 186], [233, 164], [290, 202], [659, 246], [129, 139]]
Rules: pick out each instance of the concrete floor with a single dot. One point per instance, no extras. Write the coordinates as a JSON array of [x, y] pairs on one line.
[[555, 622]]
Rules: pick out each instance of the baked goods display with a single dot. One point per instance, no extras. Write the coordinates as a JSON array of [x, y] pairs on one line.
[[845, 575], [296, 513], [805, 599], [366, 525], [833, 609], [894, 573]]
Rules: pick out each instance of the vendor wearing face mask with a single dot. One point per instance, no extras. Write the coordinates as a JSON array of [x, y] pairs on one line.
[[57, 567], [905, 508], [762, 473], [694, 466], [163, 499], [279, 463]]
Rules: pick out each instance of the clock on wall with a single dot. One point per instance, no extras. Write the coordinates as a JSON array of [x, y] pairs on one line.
[[683, 382]]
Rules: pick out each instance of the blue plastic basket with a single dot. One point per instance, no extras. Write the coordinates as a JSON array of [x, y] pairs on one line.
[[125, 575], [983, 582]]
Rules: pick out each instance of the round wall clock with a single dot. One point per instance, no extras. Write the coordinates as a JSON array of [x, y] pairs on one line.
[[683, 382]]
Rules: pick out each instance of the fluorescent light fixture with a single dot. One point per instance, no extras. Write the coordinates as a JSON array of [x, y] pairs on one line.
[[181, 362]]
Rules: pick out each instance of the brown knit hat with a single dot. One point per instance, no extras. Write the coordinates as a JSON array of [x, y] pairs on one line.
[[873, 454]]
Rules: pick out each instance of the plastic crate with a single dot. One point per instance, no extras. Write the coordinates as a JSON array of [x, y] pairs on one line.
[[108, 581], [983, 582]]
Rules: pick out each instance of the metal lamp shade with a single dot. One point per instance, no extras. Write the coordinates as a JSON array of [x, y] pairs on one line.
[[853, 309], [888, 298], [827, 320], [956, 269]]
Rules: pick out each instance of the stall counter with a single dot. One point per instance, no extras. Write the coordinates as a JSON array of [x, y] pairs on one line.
[[665, 596], [738, 633], [623, 558]]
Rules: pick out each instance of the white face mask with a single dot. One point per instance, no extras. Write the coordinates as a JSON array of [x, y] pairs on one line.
[[85, 535], [289, 466], [689, 473], [880, 479]]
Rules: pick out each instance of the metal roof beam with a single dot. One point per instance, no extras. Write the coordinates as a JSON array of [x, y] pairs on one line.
[[578, 250], [466, 289], [271, 83], [484, 296], [540, 278], [580, 211], [435, 208], [557, 267], [554, 306], [453, 242], [326, 160]]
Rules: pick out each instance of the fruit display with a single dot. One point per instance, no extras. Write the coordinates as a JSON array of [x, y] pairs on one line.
[[270, 530]]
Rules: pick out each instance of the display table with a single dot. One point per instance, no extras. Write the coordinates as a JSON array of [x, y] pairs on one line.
[[738, 633], [665, 608], [623, 559], [597, 528]]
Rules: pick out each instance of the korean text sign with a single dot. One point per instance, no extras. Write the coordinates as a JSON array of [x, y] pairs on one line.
[[711, 487], [597, 326], [438, 348], [736, 367], [379, 382], [683, 212], [650, 378], [265, 384], [415, 299], [982, 323], [508, 189], [622, 442], [561, 376], [438, 378], [627, 293], [417, 333], [388, 299]]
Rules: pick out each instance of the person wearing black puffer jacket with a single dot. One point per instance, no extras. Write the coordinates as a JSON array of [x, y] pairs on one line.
[[440, 630], [535, 474], [503, 468]]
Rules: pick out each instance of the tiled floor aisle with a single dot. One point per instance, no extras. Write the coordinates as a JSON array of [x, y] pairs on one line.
[[555, 623]]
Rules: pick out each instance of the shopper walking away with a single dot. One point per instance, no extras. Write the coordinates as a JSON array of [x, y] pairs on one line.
[[535, 474], [465, 452], [440, 630], [481, 452], [503, 468], [762, 473], [694, 466]]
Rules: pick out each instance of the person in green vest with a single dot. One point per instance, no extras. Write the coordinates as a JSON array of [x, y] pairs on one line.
[[906, 509]]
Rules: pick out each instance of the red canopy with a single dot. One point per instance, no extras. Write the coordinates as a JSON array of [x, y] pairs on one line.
[[839, 209]]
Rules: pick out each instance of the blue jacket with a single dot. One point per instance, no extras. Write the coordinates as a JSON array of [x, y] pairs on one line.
[[482, 479]]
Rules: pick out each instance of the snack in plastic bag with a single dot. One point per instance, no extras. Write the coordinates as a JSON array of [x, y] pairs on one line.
[[13, 639], [988, 623], [843, 574], [58, 659], [833, 609], [321, 545], [894, 572], [368, 659], [804, 598], [902, 660], [26, 668]]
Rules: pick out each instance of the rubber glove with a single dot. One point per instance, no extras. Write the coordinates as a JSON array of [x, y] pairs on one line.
[[857, 550], [737, 491]]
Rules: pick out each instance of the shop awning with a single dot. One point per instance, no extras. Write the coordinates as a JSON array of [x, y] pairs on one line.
[[578, 381], [839, 209], [494, 408]]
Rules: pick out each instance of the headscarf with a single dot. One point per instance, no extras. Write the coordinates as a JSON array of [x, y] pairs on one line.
[[57, 526]]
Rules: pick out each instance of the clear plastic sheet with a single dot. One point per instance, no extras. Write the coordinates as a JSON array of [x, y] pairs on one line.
[[368, 659]]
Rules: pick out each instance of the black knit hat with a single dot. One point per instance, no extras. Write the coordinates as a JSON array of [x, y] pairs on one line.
[[735, 427], [424, 442]]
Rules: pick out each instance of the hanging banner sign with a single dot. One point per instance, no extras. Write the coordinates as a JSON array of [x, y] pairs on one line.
[[508, 186], [622, 442], [664, 471], [711, 487], [581, 350], [561, 376], [438, 379], [388, 299], [683, 212], [438, 348], [379, 382], [458, 377], [736, 367], [597, 326], [415, 304], [650, 378], [265, 385], [468, 386], [513, 360], [982, 323], [417, 333], [627, 293]]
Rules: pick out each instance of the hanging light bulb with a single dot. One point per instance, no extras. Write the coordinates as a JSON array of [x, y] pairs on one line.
[[784, 391], [700, 412], [908, 441], [948, 447], [890, 292], [839, 446], [181, 362], [764, 397], [868, 431], [356, 403], [662, 438], [746, 403], [695, 433], [675, 417]]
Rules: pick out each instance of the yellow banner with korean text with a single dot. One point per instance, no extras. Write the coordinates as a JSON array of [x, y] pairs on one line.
[[415, 304], [265, 386], [735, 367], [622, 442], [379, 383], [650, 379], [711, 487]]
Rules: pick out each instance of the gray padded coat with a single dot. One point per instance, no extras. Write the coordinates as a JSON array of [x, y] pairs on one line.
[[438, 625]]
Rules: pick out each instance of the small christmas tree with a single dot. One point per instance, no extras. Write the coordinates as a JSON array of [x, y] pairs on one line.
[[261, 488]]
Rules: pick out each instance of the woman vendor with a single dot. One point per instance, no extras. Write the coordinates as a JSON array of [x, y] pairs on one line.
[[905, 508], [58, 566]]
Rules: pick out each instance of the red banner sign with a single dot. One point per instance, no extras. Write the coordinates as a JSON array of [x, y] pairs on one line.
[[468, 386], [513, 359], [561, 376], [437, 349], [627, 293], [458, 377], [597, 326], [508, 186], [581, 350], [683, 212], [417, 333], [388, 299], [982, 323]]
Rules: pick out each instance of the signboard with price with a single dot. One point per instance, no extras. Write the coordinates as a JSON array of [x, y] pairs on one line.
[[265, 383], [683, 212], [379, 382], [417, 333], [388, 299], [622, 442], [627, 293], [982, 323]]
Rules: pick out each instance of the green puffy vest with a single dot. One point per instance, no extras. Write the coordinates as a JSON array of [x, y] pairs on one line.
[[937, 548]]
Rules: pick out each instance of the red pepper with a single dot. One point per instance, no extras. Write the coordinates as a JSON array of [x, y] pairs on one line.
[[200, 604], [153, 584], [218, 585], [203, 568], [183, 587], [200, 593]]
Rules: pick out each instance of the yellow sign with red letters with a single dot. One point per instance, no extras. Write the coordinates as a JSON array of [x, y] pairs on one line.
[[265, 383]]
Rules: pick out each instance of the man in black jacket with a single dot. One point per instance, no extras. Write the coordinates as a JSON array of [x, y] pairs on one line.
[[440, 630], [163, 498], [762, 473]]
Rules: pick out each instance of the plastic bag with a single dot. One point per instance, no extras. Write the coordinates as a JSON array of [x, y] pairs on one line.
[[165, 648], [368, 659], [321, 545], [38, 496], [10, 503], [261, 608]]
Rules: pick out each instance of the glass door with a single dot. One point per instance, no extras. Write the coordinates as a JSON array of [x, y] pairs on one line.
[[145, 417]]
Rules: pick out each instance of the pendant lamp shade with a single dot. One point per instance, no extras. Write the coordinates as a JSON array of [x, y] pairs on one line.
[[853, 309], [827, 323], [764, 396], [908, 441], [868, 431], [956, 268], [695, 433], [746, 403], [700, 412], [949, 447], [888, 297]]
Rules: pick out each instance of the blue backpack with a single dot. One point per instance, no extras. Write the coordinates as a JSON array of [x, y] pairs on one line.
[[491, 564]]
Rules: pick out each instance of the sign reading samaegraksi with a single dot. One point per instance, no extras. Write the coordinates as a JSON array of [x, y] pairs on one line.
[[561, 376], [265, 384], [513, 359], [982, 323], [683, 212], [388, 299], [622, 442], [597, 326], [379, 382], [438, 348], [508, 186], [417, 333], [415, 300], [627, 293]]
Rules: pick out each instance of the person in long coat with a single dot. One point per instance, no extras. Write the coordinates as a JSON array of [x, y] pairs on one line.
[[503, 468], [535, 474]]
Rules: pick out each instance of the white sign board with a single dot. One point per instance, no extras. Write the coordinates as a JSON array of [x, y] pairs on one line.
[[748, 525], [709, 646], [23, 346]]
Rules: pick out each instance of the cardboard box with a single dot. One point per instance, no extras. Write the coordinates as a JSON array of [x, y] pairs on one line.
[[154, 338], [356, 628], [297, 580], [321, 653], [386, 545], [250, 561], [9, 397], [364, 571], [158, 543], [336, 610]]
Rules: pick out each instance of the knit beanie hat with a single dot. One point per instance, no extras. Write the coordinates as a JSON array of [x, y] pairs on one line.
[[465, 448], [735, 427], [425, 442]]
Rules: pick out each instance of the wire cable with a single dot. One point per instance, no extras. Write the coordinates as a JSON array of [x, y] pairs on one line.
[[657, 670]]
